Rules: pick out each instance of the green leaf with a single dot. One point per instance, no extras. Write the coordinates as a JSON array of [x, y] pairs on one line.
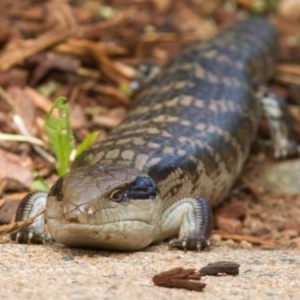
[[39, 183], [86, 142], [58, 130]]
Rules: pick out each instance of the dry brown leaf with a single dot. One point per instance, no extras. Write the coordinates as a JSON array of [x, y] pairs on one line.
[[229, 225], [24, 107], [235, 211], [17, 168], [15, 77]]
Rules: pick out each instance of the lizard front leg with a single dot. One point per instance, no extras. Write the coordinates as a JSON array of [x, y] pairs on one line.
[[192, 217]]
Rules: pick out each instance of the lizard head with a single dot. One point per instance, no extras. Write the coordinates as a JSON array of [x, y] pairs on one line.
[[104, 206]]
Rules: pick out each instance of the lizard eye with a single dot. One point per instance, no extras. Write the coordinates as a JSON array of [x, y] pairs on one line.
[[117, 195]]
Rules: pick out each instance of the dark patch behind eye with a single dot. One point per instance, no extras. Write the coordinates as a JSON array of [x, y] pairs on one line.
[[142, 188], [56, 189]]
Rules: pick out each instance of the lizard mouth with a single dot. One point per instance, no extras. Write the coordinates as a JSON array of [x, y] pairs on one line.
[[125, 235]]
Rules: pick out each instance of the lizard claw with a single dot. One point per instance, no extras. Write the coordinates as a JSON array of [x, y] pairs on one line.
[[187, 243]]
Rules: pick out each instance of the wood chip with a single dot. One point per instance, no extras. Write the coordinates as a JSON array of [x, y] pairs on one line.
[[180, 278], [220, 268]]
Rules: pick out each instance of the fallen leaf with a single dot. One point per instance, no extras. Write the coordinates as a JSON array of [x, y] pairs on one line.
[[15, 168], [235, 211], [229, 225]]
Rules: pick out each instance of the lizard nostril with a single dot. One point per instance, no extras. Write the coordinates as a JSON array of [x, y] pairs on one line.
[[73, 220], [77, 213]]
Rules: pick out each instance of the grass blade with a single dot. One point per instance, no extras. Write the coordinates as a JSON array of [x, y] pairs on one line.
[[58, 130]]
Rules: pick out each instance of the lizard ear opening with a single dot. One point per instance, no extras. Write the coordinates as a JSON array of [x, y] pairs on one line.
[[57, 190], [143, 187]]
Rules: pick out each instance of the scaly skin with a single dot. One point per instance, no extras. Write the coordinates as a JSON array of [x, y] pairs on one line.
[[177, 153]]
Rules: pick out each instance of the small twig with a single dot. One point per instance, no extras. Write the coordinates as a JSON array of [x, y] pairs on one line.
[[21, 138], [4, 229], [2, 203], [11, 56], [86, 30]]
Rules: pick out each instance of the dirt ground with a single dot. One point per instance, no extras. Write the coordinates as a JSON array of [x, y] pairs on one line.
[[53, 272]]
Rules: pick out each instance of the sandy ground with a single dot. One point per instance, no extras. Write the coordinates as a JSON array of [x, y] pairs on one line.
[[55, 272]]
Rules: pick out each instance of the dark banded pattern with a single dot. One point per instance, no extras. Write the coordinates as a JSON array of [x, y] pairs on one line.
[[177, 153], [198, 116]]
